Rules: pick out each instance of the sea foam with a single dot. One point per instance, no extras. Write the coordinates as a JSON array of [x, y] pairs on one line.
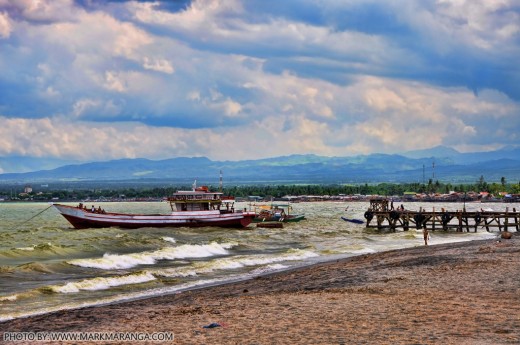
[[169, 239], [124, 261], [8, 298], [103, 283], [236, 262]]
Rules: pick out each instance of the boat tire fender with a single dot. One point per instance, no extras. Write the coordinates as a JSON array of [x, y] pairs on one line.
[[419, 219], [394, 215]]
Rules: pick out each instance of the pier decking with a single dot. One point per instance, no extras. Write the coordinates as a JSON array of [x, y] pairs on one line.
[[459, 220]]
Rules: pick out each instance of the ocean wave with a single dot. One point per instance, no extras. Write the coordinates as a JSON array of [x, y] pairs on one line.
[[124, 261], [34, 267], [6, 269], [39, 249], [236, 262], [23, 251], [103, 283], [16, 297], [364, 251], [169, 239], [8, 298], [29, 249], [268, 268], [17, 313]]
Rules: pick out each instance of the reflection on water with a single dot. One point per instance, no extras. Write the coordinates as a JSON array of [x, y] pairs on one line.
[[47, 265]]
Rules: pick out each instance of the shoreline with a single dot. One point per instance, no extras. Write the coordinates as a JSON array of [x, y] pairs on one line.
[[463, 292]]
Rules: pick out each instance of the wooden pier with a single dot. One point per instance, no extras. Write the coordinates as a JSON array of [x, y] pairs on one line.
[[459, 220]]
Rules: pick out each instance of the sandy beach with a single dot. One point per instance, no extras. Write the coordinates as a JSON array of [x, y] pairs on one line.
[[460, 293]]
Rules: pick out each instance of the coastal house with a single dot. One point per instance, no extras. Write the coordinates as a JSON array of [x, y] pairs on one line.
[[409, 196]]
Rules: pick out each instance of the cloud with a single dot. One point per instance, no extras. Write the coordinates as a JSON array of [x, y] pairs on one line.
[[159, 65], [5, 25], [422, 118], [332, 78], [41, 11]]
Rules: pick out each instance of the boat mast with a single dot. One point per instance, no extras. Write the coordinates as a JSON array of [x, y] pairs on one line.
[[220, 182]]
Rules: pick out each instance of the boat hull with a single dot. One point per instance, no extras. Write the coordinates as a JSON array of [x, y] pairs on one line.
[[83, 219], [287, 219], [355, 221]]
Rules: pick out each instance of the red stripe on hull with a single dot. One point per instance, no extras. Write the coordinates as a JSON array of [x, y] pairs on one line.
[[82, 223]]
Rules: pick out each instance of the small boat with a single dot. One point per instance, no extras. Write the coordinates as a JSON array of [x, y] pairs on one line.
[[196, 208], [353, 220], [276, 213]]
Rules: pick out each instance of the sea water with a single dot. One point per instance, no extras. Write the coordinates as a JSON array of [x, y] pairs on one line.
[[46, 265]]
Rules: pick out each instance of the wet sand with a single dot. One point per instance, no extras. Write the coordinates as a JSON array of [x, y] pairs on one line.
[[461, 293]]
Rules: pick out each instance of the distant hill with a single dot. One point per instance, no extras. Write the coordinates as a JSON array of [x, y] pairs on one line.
[[27, 164], [465, 158], [450, 166], [437, 151]]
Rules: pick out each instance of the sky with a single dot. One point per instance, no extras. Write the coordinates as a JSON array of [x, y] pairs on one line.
[[91, 80]]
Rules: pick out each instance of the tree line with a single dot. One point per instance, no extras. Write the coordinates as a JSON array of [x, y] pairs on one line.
[[276, 191]]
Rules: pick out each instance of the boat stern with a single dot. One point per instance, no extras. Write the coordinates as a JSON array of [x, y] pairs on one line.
[[248, 217]]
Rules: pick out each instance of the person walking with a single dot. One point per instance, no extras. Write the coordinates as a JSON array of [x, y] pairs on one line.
[[426, 235]]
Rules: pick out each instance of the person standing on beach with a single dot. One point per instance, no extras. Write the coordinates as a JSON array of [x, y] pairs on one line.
[[425, 234]]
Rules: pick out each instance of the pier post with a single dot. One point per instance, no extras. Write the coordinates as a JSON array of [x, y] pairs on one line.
[[433, 220], [406, 223], [516, 220], [506, 219]]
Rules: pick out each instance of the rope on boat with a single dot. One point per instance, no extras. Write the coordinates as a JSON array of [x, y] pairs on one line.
[[36, 215]]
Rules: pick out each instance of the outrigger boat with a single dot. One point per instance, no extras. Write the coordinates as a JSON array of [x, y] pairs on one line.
[[196, 208], [352, 220], [276, 213]]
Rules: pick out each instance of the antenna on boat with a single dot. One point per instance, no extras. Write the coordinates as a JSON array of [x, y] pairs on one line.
[[220, 182]]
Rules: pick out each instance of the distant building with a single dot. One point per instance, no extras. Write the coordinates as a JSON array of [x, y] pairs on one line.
[[27, 189], [409, 195]]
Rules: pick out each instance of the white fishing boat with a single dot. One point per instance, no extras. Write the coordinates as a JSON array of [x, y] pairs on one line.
[[196, 208]]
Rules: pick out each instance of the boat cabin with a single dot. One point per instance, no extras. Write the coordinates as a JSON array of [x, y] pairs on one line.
[[201, 199]]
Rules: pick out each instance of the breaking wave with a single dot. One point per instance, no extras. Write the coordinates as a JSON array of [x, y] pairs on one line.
[[8, 298], [124, 261], [103, 283], [169, 239], [237, 262]]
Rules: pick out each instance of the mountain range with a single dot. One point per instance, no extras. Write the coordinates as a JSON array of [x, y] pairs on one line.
[[438, 163]]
